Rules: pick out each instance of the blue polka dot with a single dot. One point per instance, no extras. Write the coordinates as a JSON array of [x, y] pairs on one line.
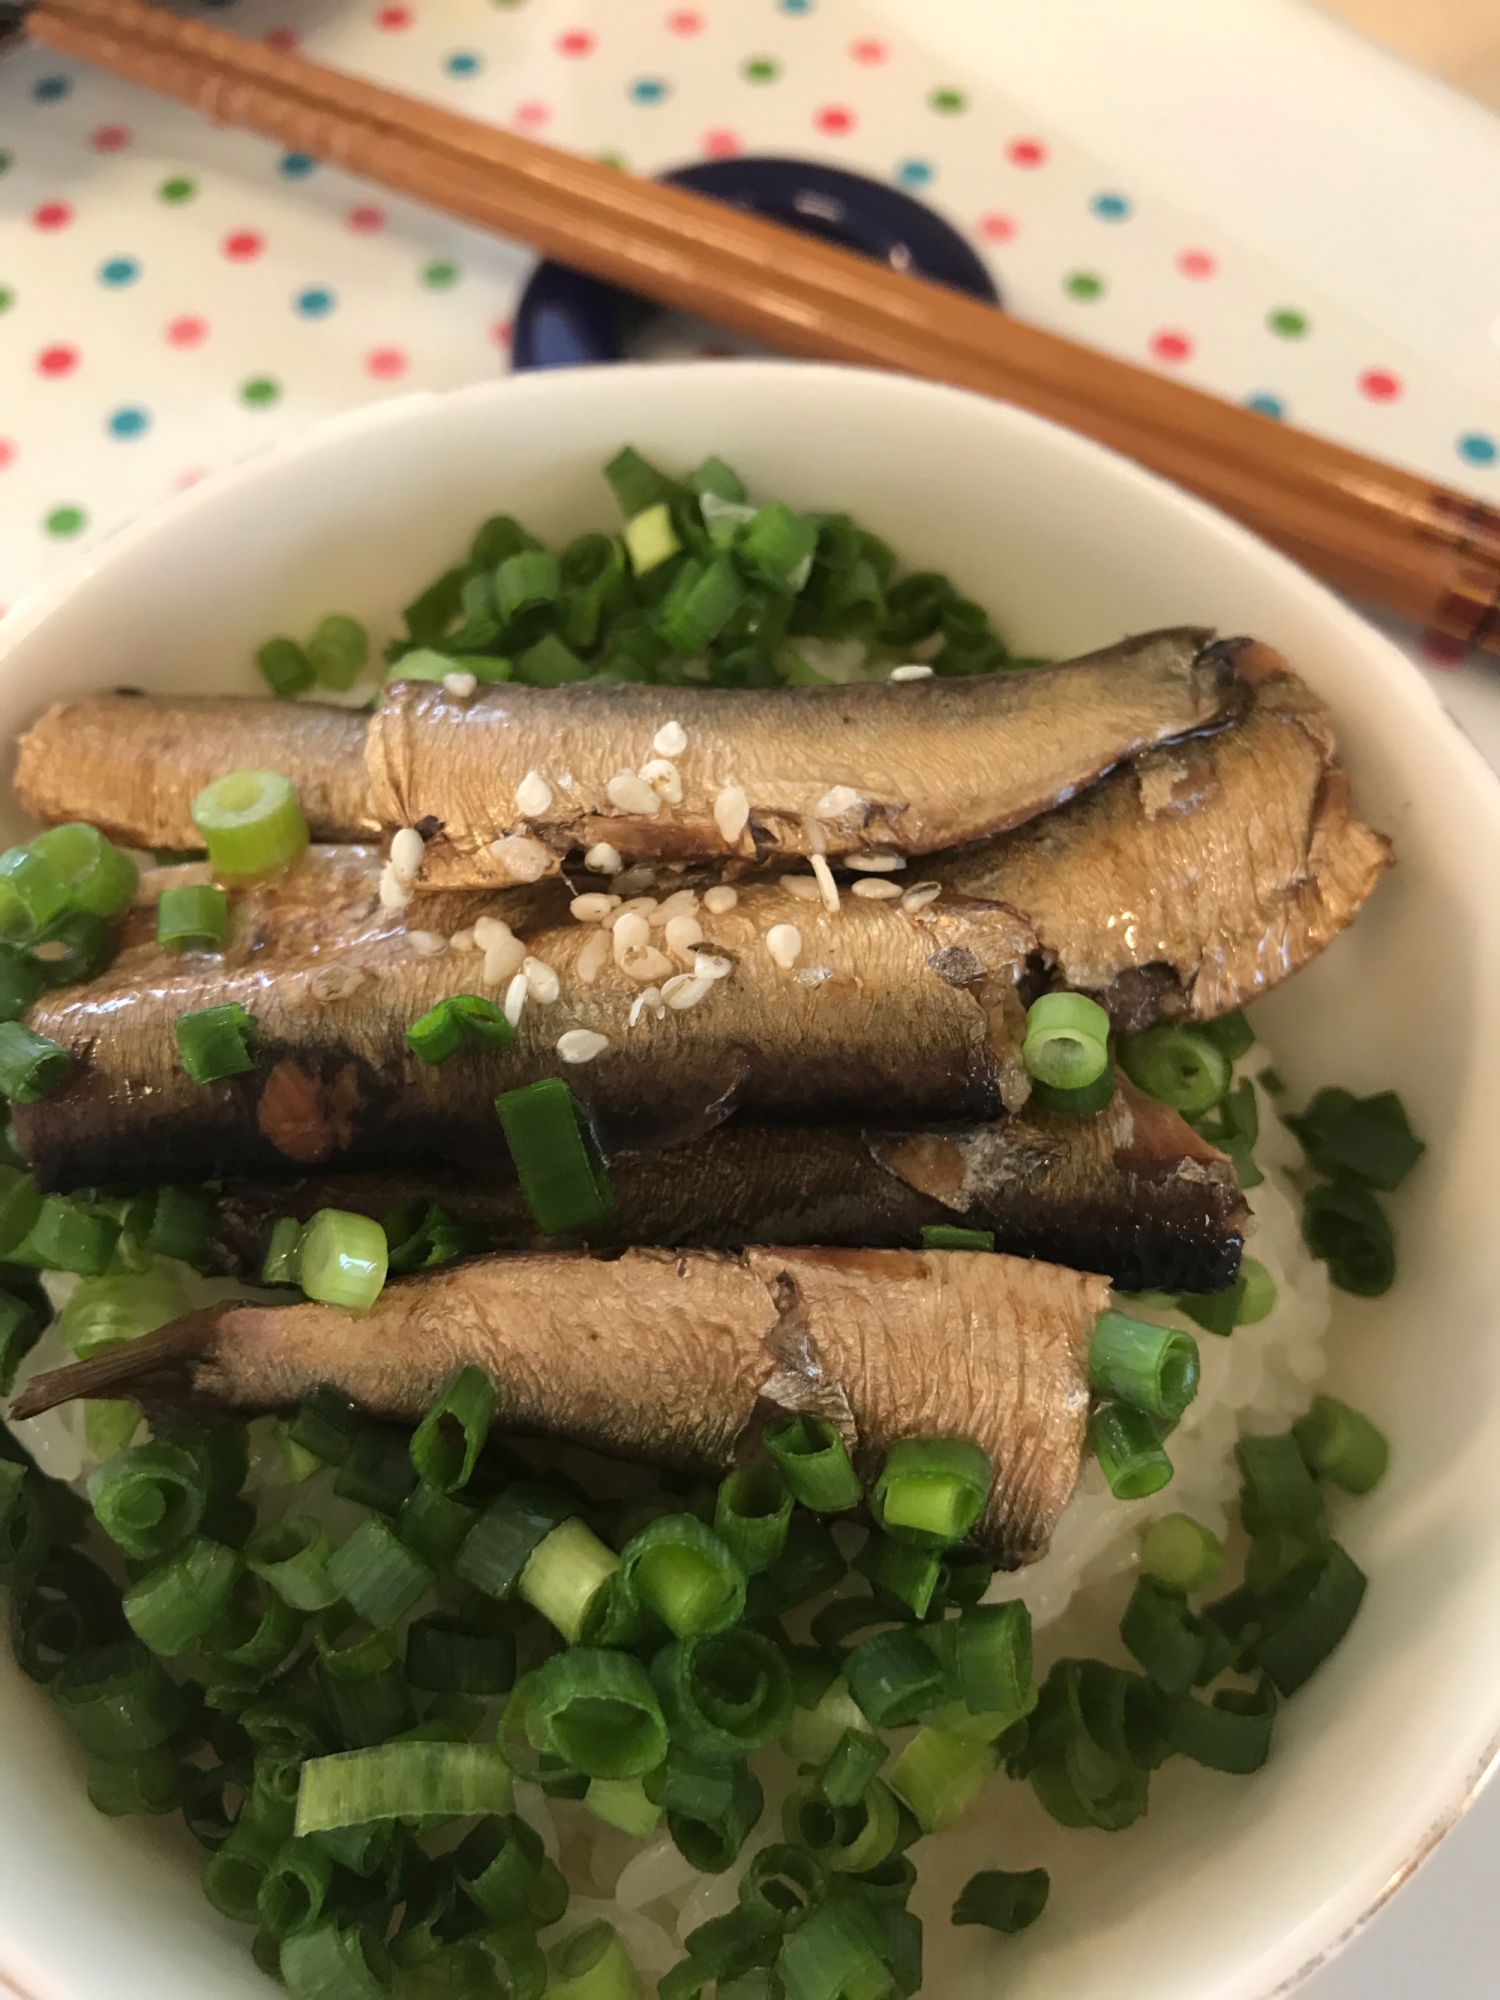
[[649, 89], [315, 302], [1110, 207], [129, 422], [119, 271], [464, 62], [1265, 404], [48, 89], [796, 6], [296, 165], [914, 173], [1476, 448]]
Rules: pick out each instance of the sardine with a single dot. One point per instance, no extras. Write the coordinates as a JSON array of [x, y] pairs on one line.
[[1133, 1192], [671, 1356], [1200, 875], [507, 781]]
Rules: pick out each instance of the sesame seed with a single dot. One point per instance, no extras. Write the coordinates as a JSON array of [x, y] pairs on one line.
[[816, 835], [490, 930], [427, 944], [590, 908], [875, 864], [804, 887], [670, 740], [812, 975], [784, 943], [581, 1045], [681, 903], [873, 890], [591, 960], [732, 812], [649, 997], [394, 894], [407, 849], [685, 991], [463, 940], [533, 795], [720, 900], [638, 906], [915, 672], [335, 982], [602, 859], [708, 966], [647, 966], [631, 932], [460, 686], [641, 876], [542, 983], [503, 960], [683, 935], [515, 999], [629, 793], [664, 778], [838, 801], [828, 889], [920, 894], [521, 858]]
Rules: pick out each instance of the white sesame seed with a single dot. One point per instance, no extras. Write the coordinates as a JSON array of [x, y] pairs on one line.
[[427, 944], [647, 966], [683, 935], [681, 903], [628, 793], [602, 859], [839, 800], [732, 812], [784, 943], [816, 835], [407, 849], [915, 672], [542, 983], [634, 906], [812, 975], [630, 932], [515, 999], [873, 890], [804, 887], [720, 900], [581, 1045], [641, 876], [828, 889], [875, 864], [920, 894], [490, 930], [591, 960], [335, 982], [685, 991], [670, 740], [708, 966], [463, 940], [590, 908], [664, 778], [394, 894], [460, 686], [522, 858], [533, 795], [503, 960], [649, 997]]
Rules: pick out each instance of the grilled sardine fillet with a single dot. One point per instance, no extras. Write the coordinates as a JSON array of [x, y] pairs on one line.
[[672, 1356]]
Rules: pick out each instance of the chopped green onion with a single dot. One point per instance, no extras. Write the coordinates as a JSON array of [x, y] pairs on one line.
[[338, 650], [549, 663], [291, 1555], [777, 545], [1232, 1034], [711, 1837], [1340, 1444], [1178, 1066], [1258, 1298], [402, 1781], [286, 667], [724, 1694], [1277, 1490], [941, 1776], [992, 1659], [343, 1259], [1002, 1901], [500, 1544], [1344, 1225], [377, 1472], [910, 1575], [948, 1236], [850, 1766], [814, 1461], [435, 1525], [1303, 1635], [33, 892], [714, 476], [564, 1574], [623, 1802], [1163, 1635], [174, 1605], [294, 1888], [377, 1575], [31, 1065], [148, 1783], [283, 1263], [1080, 1103], [840, 1952], [21, 1327], [651, 539], [73, 947], [1366, 1139], [336, 1962], [69, 1236], [251, 824], [894, 1677], [1067, 1040], [149, 1499], [807, 1567], [256, 1632], [118, 1699], [498, 1864], [524, 580], [443, 1029], [635, 482], [449, 1656], [844, 1839], [702, 600], [101, 878], [363, 1685], [20, 1205], [194, 917], [593, 1964], [214, 1042], [1232, 1735], [422, 1234], [1180, 1553], [1092, 1745], [599, 1713], [752, 1512], [838, 1621], [817, 1725], [1216, 1312], [104, 1311], [1153, 1368], [1129, 1450], [21, 981], [232, 1877], [326, 1424], [445, 1446], [931, 1490], [61, 1608], [782, 1884], [684, 1573], [565, 1188]]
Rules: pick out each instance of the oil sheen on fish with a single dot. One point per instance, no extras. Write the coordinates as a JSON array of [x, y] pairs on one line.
[[867, 1024], [672, 1356], [1133, 1192], [1200, 875]]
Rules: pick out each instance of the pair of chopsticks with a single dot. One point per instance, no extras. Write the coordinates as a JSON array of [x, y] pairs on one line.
[[1389, 536]]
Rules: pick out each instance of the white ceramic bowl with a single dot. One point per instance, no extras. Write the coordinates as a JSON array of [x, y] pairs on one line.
[[1229, 1888]]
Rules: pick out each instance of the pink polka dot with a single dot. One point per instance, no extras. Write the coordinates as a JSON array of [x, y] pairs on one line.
[[386, 362], [1169, 345], [500, 332], [1379, 385], [191, 477], [532, 115], [284, 39], [835, 118], [996, 228], [187, 331], [576, 42], [7, 453], [1026, 153], [52, 215], [243, 244], [684, 21], [1441, 649], [394, 17], [366, 218], [1197, 263], [722, 145], [868, 49], [57, 361], [110, 138]]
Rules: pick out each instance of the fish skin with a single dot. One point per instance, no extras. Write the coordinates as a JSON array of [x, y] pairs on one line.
[[932, 762], [1132, 1191], [863, 1028], [1200, 876], [671, 1356], [132, 764]]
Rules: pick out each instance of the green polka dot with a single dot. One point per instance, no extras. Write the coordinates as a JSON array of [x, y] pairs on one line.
[[260, 391], [7, 160], [7, 298], [1289, 323], [1084, 285], [760, 69], [440, 274], [65, 520], [615, 160], [178, 188], [948, 101]]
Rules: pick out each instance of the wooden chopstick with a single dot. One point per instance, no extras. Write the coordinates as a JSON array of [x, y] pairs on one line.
[[1380, 532]]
